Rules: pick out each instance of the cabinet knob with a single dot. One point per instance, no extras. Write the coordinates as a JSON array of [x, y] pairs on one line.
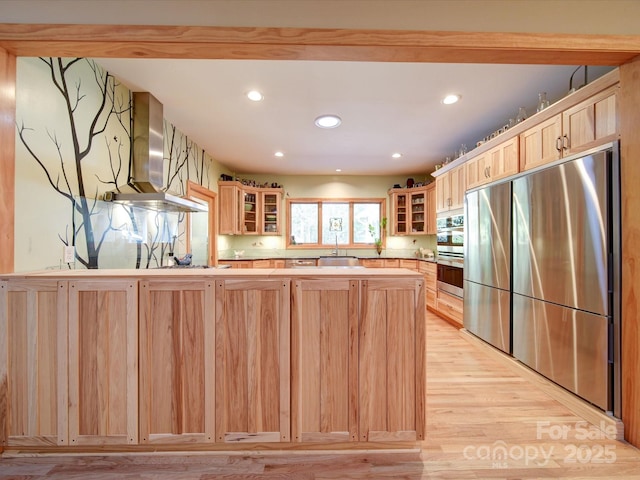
[[565, 142], [559, 144]]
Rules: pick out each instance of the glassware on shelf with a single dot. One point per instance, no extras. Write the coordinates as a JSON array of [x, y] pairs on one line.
[[522, 115], [542, 101]]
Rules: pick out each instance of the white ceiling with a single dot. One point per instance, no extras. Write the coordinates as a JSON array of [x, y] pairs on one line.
[[385, 108]]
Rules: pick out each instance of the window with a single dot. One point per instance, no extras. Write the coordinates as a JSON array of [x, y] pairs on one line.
[[314, 223]]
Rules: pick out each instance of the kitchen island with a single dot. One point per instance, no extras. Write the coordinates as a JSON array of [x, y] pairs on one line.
[[212, 359]]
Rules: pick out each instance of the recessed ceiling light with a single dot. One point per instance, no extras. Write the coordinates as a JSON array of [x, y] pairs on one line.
[[338, 169], [279, 154], [396, 155], [328, 121], [451, 99], [255, 95]]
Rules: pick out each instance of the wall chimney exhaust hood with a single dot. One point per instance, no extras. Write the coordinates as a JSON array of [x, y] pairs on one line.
[[144, 189]]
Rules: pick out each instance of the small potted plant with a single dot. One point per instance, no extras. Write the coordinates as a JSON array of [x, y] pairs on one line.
[[378, 234]]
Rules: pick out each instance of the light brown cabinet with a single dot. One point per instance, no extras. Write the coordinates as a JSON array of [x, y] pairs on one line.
[[103, 361], [252, 358], [450, 306], [432, 227], [270, 203], [324, 352], [391, 360], [33, 372], [541, 144], [409, 263], [429, 270], [176, 351], [262, 263], [228, 358], [591, 122], [413, 210], [237, 263], [583, 126], [245, 210], [229, 208], [250, 212], [499, 162], [72, 370], [450, 188], [358, 371], [372, 262]]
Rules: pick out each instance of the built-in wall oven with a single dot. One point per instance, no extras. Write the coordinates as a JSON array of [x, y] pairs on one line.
[[450, 239]]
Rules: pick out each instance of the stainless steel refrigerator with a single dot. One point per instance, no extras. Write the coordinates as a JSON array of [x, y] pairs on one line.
[[565, 258], [487, 265]]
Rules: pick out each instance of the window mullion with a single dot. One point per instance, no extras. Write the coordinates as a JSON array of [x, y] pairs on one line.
[[320, 239]]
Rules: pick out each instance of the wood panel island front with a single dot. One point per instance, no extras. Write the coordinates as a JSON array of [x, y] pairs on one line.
[[127, 360]]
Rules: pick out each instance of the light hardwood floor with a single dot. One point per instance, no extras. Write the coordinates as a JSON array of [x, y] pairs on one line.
[[483, 422]]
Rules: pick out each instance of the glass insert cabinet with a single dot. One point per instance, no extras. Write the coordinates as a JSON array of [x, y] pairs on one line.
[[413, 210], [247, 210]]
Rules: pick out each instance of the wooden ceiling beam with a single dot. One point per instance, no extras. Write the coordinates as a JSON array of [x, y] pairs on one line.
[[143, 41]]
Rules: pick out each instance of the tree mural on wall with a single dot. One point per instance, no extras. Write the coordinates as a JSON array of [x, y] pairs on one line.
[[185, 161], [68, 177], [75, 126]]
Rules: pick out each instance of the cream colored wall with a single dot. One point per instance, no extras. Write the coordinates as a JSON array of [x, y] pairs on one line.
[[565, 16]]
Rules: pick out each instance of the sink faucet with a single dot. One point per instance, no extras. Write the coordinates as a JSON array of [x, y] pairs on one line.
[[335, 252]]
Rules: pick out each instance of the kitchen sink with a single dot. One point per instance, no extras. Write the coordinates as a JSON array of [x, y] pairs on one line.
[[337, 261]]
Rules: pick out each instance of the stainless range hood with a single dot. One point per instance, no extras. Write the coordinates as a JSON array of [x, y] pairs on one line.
[[144, 189]]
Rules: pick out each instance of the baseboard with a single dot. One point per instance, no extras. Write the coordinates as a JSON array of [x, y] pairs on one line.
[[580, 407], [444, 317]]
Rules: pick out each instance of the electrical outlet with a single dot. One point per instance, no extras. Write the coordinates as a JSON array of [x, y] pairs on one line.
[[69, 254]]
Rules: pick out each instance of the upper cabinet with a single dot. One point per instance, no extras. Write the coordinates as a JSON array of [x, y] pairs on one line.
[[450, 188], [270, 199], [542, 143], [413, 210], [579, 122], [246, 210], [229, 208], [432, 228], [497, 163], [249, 211], [591, 122], [578, 128]]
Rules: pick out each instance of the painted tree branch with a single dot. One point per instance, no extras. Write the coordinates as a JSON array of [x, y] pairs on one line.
[[74, 190]]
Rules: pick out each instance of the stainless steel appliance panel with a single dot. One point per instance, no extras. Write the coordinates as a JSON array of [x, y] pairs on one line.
[[450, 276], [450, 235], [560, 234], [566, 345], [488, 236], [487, 314]]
